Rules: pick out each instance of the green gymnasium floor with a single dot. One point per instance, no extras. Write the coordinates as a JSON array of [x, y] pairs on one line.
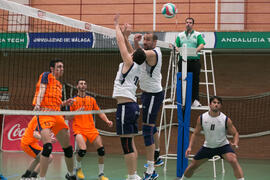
[[15, 164]]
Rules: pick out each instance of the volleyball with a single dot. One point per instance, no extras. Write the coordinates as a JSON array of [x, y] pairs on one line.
[[168, 10]]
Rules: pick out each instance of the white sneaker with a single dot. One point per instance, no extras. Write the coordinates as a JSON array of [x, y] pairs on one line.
[[196, 103], [138, 177]]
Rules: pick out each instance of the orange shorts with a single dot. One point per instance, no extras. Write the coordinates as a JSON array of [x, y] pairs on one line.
[[88, 135], [55, 123], [31, 149]]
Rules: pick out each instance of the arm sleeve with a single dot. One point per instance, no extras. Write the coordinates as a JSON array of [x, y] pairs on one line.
[[200, 40]]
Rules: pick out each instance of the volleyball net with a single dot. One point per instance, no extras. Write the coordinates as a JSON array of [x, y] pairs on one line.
[[30, 38]]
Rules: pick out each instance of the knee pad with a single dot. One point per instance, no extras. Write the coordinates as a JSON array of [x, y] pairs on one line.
[[68, 152], [47, 149], [81, 153], [148, 135], [127, 145], [101, 151]]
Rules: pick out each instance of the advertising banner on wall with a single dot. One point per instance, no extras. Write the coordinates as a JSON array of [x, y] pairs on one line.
[[220, 40], [253, 40], [13, 129], [61, 40], [13, 40], [230, 40]]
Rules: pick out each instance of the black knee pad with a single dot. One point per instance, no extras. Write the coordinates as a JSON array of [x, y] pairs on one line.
[[68, 152], [101, 151], [81, 153], [127, 145], [47, 149]]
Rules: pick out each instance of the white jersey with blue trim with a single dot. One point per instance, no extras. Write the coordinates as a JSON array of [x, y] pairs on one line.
[[150, 80], [125, 85], [214, 130]]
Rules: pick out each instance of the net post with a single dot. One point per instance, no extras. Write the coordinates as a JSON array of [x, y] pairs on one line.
[[183, 114], [184, 97]]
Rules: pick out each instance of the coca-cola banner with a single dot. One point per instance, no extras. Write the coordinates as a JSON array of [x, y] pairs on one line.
[[13, 129]]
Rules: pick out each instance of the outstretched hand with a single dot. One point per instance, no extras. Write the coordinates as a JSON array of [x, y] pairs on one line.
[[126, 29], [116, 19], [137, 37]]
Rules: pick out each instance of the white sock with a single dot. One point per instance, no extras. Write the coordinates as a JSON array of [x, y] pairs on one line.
[[41, 178], [78, 164], [71, 173], [241, 178], [132, 176], [101, 168], [150, 168], [157, 149]]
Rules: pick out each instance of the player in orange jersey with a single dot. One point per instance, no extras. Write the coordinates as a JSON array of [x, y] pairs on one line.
[[29, 144], [48, 97], [84, 128]]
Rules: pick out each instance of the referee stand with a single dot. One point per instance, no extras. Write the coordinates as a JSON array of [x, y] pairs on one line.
[[183, 107]]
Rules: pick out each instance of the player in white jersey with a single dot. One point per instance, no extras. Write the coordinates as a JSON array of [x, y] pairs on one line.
[[125, 86], [152, 98], [214, 124]]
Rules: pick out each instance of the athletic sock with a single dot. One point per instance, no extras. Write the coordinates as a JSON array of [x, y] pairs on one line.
[[156, 156], [150, 168], [78, 164], [101, 168]]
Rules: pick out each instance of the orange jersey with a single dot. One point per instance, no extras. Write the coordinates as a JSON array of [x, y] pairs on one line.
[[84, 122], [28, 137], [53, 95]]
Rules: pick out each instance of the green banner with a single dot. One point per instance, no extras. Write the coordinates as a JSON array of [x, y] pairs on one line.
[[3, 88], [255, 40], [13, 40]]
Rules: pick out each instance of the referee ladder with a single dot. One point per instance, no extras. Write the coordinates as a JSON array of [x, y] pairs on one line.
[[170, 103]]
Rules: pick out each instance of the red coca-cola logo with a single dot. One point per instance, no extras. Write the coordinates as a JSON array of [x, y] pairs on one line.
[[16, 132]]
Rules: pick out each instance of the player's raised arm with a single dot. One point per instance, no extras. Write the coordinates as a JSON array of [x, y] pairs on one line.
[[126, 30], [127, 59]]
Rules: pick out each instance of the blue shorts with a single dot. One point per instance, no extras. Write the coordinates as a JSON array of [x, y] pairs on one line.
[[208, 153], [151, 103], [126, 118]]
